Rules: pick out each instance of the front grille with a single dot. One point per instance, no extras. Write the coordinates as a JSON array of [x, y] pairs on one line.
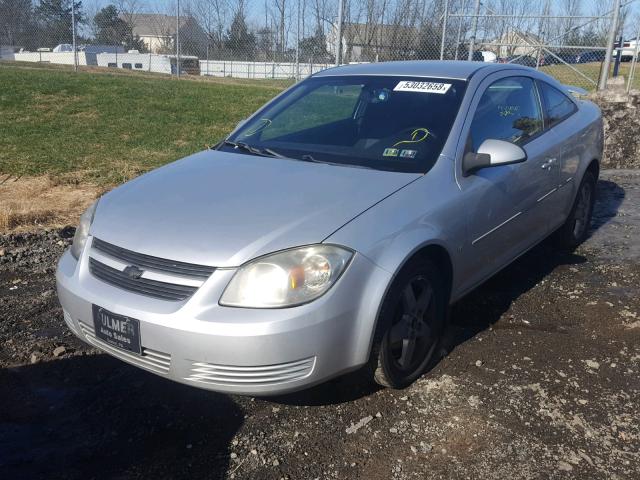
[[153, 263], [264, 375], [153, 360], [143, 286]]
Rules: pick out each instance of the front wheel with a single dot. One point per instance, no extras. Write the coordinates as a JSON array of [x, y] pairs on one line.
[[409, 326], [575, 230]]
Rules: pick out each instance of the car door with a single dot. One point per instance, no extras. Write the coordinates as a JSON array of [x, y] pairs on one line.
[[504, 214], [566, 145]]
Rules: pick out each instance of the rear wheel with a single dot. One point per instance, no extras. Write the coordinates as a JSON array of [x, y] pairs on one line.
[[409, 326], [576, 228]]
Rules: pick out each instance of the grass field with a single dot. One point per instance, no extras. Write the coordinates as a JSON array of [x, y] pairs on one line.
[[566, 75], [109, 127]]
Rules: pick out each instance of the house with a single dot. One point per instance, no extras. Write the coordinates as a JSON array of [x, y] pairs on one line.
[[515, 42], [158, 32], [370, 43]]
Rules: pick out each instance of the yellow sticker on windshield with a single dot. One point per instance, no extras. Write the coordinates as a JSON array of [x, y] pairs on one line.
[[390, 152], [417, 136]]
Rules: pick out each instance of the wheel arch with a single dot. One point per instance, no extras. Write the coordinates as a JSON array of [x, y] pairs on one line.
[[594, 167], [435, 252]]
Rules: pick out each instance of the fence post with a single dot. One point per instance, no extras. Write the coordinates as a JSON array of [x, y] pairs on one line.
[[298, 45], [444, 28], [474, 31], [339, 39], [611, 38], [632, 70], [73, 35], [178, 39]]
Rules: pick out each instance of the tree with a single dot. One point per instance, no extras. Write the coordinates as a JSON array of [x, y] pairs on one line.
[[281, 8], [314, 48], [239, 40], [265, 43], [212, 16], [16, 23], [54, 21], [111, 29]]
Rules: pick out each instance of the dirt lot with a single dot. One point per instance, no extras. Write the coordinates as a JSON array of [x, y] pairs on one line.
[[541, 381]]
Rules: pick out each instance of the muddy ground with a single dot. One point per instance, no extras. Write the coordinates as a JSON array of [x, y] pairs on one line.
[[541, 381]]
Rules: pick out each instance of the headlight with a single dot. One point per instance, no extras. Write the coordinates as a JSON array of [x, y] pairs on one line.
[[286, 278], [82, 232]]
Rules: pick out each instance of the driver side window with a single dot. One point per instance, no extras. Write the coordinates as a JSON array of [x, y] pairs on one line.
[[508, 110]]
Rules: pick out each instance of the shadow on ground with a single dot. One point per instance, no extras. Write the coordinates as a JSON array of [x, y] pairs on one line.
[[484, 306], [95, 417]]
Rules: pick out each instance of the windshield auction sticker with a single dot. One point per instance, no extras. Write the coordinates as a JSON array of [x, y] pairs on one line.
[[423, 87]]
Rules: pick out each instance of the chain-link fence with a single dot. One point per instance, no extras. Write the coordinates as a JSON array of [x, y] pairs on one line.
[[295, 38]]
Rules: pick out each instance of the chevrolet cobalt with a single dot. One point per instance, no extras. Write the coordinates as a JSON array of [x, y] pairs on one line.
[[333, 228]]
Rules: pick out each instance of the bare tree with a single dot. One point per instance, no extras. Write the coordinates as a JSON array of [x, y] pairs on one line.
[[213, 16], [281, 10]]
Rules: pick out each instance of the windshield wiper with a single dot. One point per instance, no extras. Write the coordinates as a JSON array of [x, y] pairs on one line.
[[263, 152], [310, 158]]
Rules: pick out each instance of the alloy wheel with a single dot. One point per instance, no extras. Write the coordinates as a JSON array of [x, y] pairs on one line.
[[411, 337], [583, 207]]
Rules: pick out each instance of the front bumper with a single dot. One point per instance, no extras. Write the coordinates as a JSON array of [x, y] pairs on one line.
[[234, 350]]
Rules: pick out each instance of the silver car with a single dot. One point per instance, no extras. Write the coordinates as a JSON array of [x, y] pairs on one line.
[[334, 227]]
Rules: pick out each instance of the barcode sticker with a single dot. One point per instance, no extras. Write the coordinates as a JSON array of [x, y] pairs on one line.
[[423, 87]]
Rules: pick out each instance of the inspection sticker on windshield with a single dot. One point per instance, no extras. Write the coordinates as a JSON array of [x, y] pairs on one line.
[[390, 152], [423, 87], [408, 153]]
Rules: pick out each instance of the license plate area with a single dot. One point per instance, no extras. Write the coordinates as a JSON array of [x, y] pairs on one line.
[[117, 330]]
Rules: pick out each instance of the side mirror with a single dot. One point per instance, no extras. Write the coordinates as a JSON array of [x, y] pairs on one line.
[[492, 153]]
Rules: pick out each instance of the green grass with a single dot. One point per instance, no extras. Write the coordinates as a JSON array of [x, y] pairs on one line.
[[565, 74], [109, 127]]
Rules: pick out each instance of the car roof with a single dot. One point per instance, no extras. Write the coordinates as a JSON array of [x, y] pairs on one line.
[[451, 69]]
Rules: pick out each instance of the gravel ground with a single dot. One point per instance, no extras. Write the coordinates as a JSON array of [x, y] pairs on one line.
[[541, 381]]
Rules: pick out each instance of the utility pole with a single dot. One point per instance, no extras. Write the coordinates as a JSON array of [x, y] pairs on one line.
[[73, 36], [339, 40], [444, 28], [474, 31], [178, 39], [611, 38]]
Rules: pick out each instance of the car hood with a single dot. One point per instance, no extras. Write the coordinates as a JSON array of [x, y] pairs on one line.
[[222, 209]]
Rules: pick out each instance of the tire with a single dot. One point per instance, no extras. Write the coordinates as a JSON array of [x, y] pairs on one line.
[[576, 228], [409, 326]]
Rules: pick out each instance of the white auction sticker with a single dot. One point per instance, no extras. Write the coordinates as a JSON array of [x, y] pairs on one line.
[[424, 87]]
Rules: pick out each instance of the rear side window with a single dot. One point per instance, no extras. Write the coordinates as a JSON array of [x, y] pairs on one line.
[[558, 106], [508, 110]]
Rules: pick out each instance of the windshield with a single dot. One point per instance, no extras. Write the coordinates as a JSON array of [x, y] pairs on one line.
[[386, 123]]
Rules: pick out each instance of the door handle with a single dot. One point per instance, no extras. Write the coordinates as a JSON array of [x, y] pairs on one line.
[[548, 164]]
